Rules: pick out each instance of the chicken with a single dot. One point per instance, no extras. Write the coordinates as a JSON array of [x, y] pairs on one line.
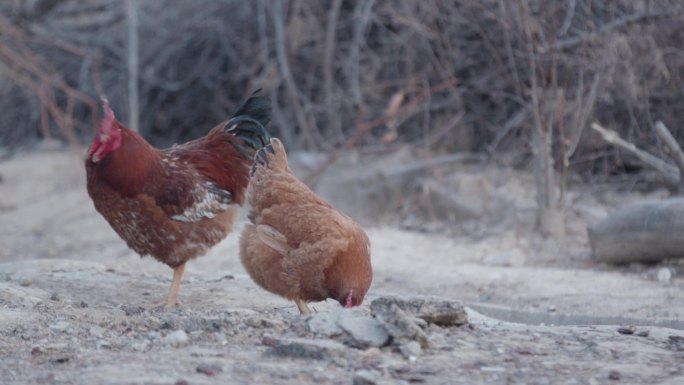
[[297, 245], [175, 204]]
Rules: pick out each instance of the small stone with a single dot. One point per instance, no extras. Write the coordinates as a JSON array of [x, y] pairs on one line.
[[364, 377], [60, 326], [306, 348], [59, 360], [371, 357], [103, 344], [140, 346], [176, 338], [411, 350], [627, 330], [399, 325], [82, 304], [26, 283], [55, 297], [436, 310], [132, 310], [665, 274], [644, 333], [614, 375], [208, 369], [365, 331], [96, 331], [676, 342], [167, 324]]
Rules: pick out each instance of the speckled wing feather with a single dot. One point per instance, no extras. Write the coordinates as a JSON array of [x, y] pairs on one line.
[[209, 201]]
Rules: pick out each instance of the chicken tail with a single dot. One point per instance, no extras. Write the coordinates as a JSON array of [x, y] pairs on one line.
[[271, 156], [249, 123]]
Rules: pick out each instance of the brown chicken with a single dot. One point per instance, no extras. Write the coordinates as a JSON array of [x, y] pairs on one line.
[[175, 204], [298, 246]]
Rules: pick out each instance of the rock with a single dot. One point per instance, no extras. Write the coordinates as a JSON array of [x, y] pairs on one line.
[[208, 369], [96, 331], [132, 310], [364, 377], [399, 325], [614, 375], [103, 344], [167, 323], [140, 346], [306, 348], [325, 324], [60, 326], [411, 350], [665, 274], [59, 360], [372, 358], [436, 310], [367, 377], [176, 338], [676, 343], [628, 330], [365, 331], [153, 335]]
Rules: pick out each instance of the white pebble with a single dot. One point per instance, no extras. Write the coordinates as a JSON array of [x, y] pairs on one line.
[[664, 275], [176, 339]]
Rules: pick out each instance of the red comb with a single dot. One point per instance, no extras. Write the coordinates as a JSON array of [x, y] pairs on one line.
[[108, 121]]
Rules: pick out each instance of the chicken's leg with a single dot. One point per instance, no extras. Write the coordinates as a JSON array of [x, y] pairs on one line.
[[303, 307], [172, 297]]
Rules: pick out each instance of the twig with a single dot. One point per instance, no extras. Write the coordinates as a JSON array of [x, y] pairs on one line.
[[670, 173], [675, 151], [328, 79], [362, 14], [570, 42], [567, 22], [133, 99], [279, 14], [364, 127]]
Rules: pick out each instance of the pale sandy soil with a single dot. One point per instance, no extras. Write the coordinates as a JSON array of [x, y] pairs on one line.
[[73, 298]]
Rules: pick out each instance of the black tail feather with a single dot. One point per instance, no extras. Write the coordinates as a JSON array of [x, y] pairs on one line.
[[256, 107], [249, 122]]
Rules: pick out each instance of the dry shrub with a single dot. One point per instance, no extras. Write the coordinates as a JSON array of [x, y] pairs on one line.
[[333, 66]]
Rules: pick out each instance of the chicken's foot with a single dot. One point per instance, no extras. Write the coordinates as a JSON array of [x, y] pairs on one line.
[[303, 307]]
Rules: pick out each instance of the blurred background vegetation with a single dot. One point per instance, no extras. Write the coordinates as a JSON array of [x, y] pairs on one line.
[[519, 81]]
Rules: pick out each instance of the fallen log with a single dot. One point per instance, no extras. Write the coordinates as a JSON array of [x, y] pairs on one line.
[[644, 232]]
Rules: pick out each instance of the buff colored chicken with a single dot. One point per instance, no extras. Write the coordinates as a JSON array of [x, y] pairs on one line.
[[297, 245]]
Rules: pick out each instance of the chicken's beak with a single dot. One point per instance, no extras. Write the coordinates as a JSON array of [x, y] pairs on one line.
[[95, 151], [349, 302]]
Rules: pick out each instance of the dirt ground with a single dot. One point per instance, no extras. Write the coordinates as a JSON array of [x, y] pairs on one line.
[[75, 303]]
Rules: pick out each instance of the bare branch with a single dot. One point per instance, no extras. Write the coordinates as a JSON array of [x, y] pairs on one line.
[[670, 173], [604, 29], [133, 105], [283, 63], [675, 151], [363, 128]]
